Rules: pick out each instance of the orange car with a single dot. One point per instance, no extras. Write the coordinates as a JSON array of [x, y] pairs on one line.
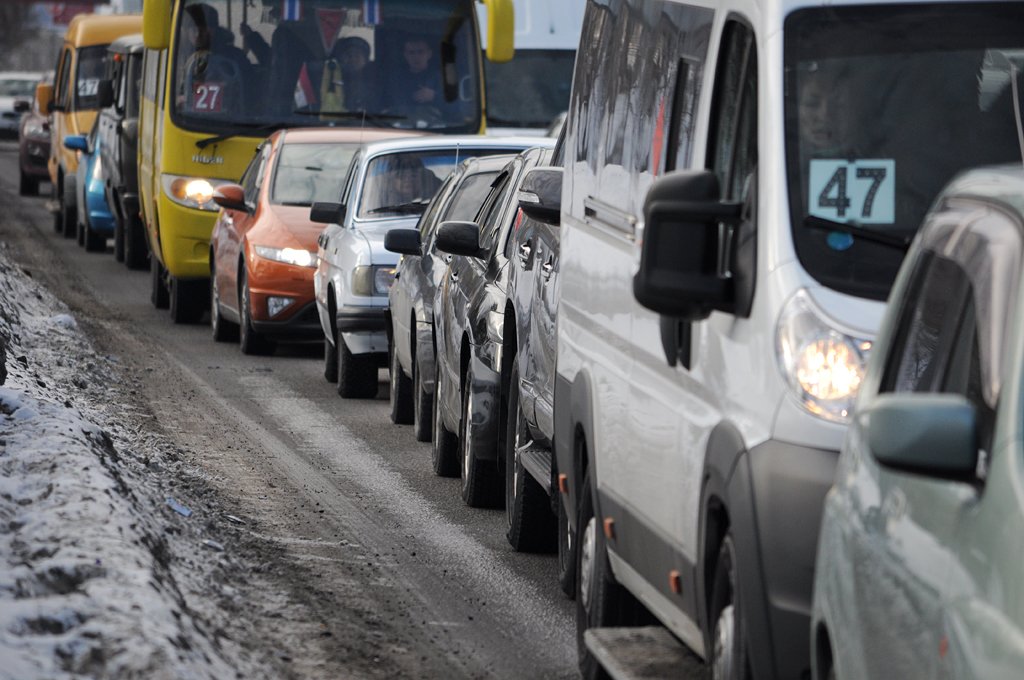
[[263, 249]]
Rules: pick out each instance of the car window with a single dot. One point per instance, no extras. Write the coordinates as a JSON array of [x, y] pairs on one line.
[[489, 216], [63, 77], [91, 67], [307, 173], [248, 180], [469, 196]]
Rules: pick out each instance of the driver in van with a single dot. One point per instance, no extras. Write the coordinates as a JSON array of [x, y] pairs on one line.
[[214, 72]]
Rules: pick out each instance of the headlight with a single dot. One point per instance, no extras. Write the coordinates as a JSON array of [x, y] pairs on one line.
[[192, 192], [296, 256], [823, 365], [368, 281], [37, 132], [276, 305]]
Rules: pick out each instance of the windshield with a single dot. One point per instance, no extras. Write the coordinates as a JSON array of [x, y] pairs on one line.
[[397, 63], [17, 88], [531, 90], [92, 65], [884, 105], [307, 173]]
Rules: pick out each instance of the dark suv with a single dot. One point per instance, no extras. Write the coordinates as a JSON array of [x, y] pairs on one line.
[[119, 132]]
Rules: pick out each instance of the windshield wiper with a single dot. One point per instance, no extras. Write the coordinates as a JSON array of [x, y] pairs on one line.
[[259, 131], [492, 120], [901, 242], [412, 207], [352, 115]]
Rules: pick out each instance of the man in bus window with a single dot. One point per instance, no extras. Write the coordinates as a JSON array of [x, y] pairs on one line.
[[213, 74], [419, 82]]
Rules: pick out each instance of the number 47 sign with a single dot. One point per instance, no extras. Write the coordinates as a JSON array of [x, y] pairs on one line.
[[860, 191]]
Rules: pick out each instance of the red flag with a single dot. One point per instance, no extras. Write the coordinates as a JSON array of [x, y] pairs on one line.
[[329, 21]]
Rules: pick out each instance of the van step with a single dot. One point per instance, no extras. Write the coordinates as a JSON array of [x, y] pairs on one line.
[[642, 653], [537, 461]]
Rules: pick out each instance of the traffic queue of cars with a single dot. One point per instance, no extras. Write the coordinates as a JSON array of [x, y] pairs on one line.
[[663, 343]]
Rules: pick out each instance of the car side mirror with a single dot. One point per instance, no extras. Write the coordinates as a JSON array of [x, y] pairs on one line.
[[928, 434], [403, 242], [460, 238], [44, 98], [230, 197], [327, 213], [105, 93], [686, 244], [22, 106], [76, 143], [540, 195]]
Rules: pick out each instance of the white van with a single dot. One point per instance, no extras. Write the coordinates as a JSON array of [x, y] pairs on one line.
[[527, 94], [742, 179]]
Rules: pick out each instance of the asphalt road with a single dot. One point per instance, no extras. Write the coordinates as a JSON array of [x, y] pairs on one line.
[[350, 495]]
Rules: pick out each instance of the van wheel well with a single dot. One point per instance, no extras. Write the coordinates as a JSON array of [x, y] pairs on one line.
[[715, 529]]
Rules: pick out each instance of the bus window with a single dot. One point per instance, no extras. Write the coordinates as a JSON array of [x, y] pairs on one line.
[[398, 63]]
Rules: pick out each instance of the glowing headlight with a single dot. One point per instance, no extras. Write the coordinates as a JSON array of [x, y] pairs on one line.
[[823, 365], [295, 256], [192, 192], [368, 281]]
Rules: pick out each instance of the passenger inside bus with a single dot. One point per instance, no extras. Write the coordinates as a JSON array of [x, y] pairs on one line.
[[215, 70]]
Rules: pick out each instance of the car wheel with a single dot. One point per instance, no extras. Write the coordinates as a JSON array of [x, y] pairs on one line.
[[70, 214], [135, 249], [357, 373], [566, 552], [445, 446], [600, 601], [57, 190], [529, 524], [330, 361], [401, 392], [94, 242], [118, 239], [249, 340], [157, 288], [28, 186], [480, 481], [422, 405], [187, 300], [729, 648], [222, 329]]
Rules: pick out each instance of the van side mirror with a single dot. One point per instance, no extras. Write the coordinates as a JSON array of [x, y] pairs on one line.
[[327, 213], [687, 239], [105, 93], [230, 197], [540, 195], [460, 238], [928, 434], [403, 242], [77, 143], [44, 98]]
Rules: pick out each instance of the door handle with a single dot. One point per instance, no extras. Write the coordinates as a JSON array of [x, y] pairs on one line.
[[453, 277], [546, 269], [524, 253]]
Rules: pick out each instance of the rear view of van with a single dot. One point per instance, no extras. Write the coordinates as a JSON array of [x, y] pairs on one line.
[[741, 183]]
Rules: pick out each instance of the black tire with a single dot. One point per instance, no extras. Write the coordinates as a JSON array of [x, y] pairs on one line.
[[401, 392], [70, 214], [566, 552], [357, 373], [187, 300], [56, 190], [422, 405], [80, 230], [728, 656], [221, 329], [94, 242], [330, 362], [445, 448], [481, 484], [119, 239], [157, 288], [249, 341], [600, 601], [28, 186], [136, 251], [529, 524]]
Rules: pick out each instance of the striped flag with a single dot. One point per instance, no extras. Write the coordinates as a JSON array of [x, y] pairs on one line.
[[371, 12], [291, 10]]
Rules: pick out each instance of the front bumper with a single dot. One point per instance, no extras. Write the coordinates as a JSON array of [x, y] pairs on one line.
[[303, 325], [486, 414]]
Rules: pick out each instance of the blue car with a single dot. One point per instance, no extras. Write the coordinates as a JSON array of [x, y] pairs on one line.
[[95, 220]]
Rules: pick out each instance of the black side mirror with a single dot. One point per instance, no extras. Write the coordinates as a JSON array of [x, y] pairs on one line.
[[21, 106], [686, 244], [403, 242], [540, 195], [327, 213], [460, 238], [105, 93]]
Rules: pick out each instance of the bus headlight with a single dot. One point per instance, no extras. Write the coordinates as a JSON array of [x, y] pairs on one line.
[[192, 192], [822, 364]]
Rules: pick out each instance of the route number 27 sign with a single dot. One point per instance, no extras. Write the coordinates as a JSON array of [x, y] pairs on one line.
[[853, 191]]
